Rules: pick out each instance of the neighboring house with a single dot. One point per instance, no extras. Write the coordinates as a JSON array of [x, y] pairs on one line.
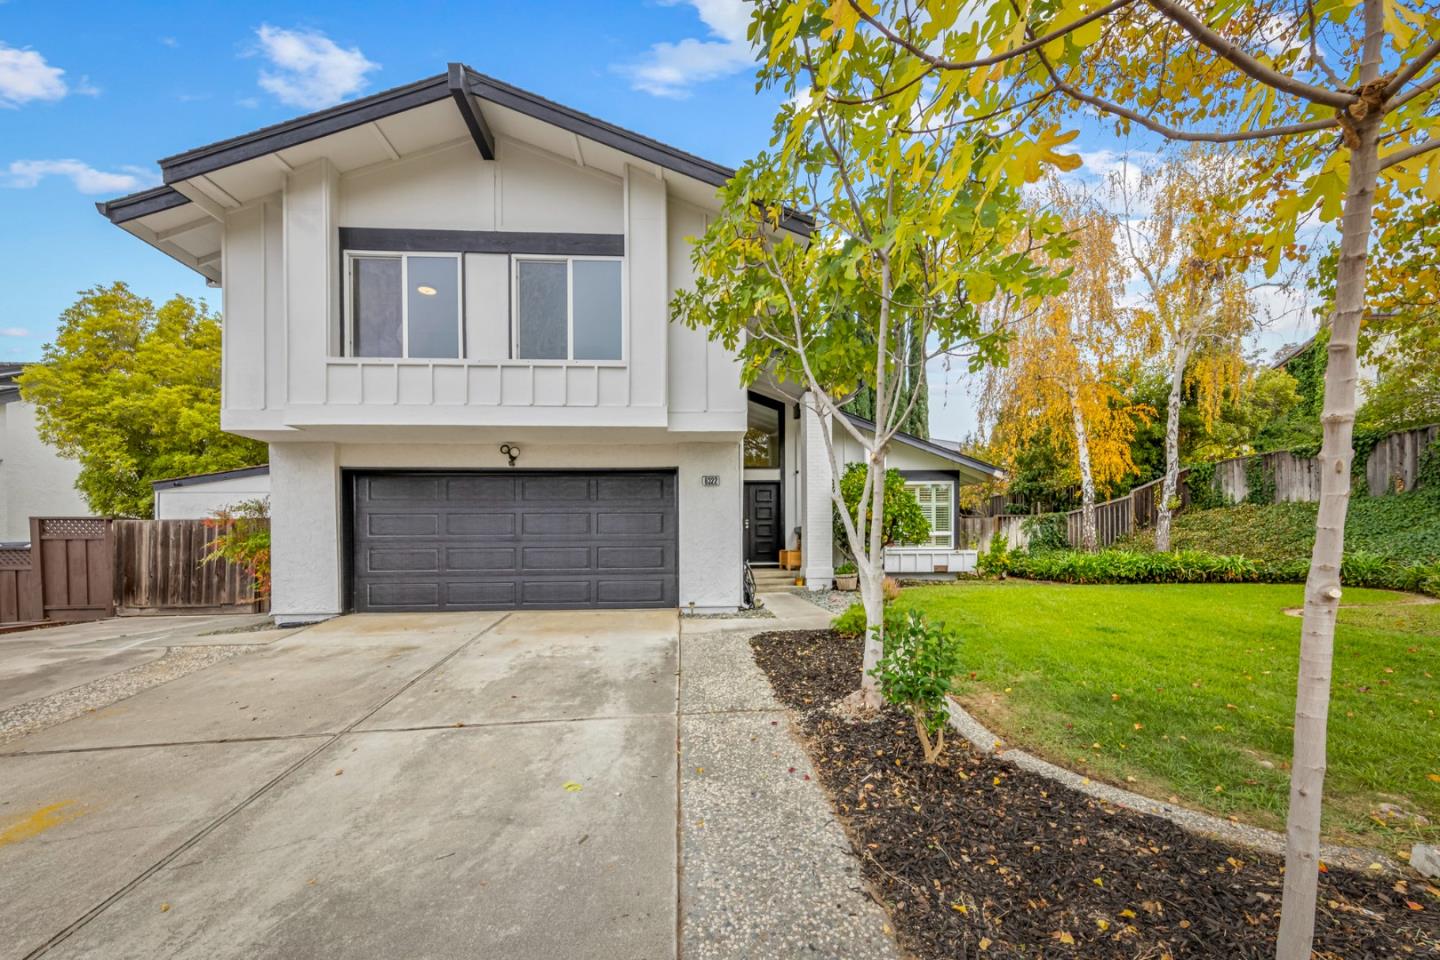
[[35, 481], [446, 311], [200, 496]]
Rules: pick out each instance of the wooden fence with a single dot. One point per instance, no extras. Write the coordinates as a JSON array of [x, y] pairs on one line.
[[1393, 466], [160, 568], [65, 574]]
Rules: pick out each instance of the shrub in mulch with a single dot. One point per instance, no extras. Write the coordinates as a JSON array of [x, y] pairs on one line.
[[975, 858]]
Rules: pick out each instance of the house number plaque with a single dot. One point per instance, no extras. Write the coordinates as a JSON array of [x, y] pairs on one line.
[[710, 480]]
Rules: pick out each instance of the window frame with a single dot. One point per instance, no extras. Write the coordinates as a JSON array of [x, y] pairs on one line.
[[347, 345], [950, 486], [569, 261]]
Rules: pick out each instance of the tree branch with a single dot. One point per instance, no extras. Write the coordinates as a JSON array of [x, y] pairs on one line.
[[990, 61], [1247, 64], [1413, 68], [1170, 133], [1410, 152]]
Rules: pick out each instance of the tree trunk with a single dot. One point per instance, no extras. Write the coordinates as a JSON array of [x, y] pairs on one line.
[[1087, 478], [1322, 587], [874, 598], [1172, 451]]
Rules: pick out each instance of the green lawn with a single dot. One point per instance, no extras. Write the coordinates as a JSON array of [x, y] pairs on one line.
[[1189, 691]]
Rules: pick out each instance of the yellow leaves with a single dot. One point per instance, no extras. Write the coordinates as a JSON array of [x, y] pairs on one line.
[[985, 943], [790, 22], [1064, 937], [1029, 159], [844, 17], [572, 787]]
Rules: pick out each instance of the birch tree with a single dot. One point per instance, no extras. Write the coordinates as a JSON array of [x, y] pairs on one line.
[[1066, 360], [851, 245], [1174, 222], [1340, 99]]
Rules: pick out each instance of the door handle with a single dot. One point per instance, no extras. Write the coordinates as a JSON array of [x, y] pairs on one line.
[[747, 523]]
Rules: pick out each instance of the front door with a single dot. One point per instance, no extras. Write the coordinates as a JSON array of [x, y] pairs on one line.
[[762, 522]]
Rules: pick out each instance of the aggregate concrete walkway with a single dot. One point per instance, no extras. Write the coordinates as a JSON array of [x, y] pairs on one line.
[[436, 786]]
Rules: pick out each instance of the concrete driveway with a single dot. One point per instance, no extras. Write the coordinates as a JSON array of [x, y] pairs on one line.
[[380, 785]]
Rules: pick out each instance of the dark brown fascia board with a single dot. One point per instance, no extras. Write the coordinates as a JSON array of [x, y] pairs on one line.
[[142, 204], [482, 241], [323, 123], [199, 478], [470, 111]]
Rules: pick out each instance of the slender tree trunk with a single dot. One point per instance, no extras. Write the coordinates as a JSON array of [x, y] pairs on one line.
[[874, 598], [1087, 477], [1172, 449], [1322, 588]]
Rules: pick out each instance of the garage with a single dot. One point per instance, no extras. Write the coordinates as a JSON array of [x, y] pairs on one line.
[[502, 540]]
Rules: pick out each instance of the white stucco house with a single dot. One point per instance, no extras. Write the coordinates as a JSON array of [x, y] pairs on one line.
[[446, 311], [35, 481]]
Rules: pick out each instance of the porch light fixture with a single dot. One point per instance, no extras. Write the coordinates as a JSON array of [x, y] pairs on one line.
[[510, 450], [425, 291]]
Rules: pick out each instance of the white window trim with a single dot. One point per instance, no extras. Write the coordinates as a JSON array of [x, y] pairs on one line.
[[348, 346], [569, 359], [930, 544]]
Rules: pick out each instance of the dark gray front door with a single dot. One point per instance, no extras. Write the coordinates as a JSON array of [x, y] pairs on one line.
[[514, 539], [762, 522]]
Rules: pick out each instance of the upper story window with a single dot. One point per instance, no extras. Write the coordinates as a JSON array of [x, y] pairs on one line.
[[567, 308], [762, 436], [403, 305]]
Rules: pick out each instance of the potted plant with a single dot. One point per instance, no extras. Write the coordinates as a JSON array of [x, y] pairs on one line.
[[846, 578]]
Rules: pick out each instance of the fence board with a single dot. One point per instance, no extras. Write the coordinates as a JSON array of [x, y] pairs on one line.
[[160, 568]]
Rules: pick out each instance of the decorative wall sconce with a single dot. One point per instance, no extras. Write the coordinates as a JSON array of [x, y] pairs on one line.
[[510, 450]]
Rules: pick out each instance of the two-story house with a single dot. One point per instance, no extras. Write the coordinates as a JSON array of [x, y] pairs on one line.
[[446, 311]]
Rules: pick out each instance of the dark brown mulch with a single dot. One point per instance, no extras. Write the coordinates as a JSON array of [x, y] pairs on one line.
[[975, 858]]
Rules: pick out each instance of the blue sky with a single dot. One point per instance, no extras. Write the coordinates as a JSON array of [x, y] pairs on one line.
[[92, 94]]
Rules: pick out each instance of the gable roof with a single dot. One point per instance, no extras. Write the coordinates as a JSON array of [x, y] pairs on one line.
[[944, 451]]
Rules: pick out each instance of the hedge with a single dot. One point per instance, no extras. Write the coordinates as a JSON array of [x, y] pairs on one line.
[[1359, 569]]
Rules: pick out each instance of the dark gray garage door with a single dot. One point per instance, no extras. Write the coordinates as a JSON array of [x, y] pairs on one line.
[[514, 539]]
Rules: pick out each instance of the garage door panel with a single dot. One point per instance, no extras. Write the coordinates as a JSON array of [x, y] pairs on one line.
[[403, 524], [544, 593], [469, 594], [647, 523], [506, 540], [549, 489], [480, 524], [630, 592], [556, 524], [408, 488], [417, 560], [632, 558], [399, 595], [461, 559], [480, 489]]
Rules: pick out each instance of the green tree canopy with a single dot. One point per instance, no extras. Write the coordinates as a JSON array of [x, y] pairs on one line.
[[132, 392]]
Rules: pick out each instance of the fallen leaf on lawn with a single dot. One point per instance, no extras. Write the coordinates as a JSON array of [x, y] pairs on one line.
[[1114, 696], [1127, 914], [572, 787], [985, 943], [1433, 776], [1139, 726], [959, 908], [1063, 937], [1103, 924], [1413, 905], [1098, 882]]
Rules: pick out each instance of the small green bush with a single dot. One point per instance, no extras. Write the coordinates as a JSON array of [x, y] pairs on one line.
[[994, 562], [851, 623], [845, 570], [1047, 531], [919, 665]]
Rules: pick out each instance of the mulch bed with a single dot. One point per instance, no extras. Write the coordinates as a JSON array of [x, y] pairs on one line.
[[975, 858]]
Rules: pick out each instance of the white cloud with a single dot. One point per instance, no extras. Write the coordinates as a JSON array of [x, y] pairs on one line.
[[24, 174], [308, 69], [14, 332], [671, 69], [25, 76]]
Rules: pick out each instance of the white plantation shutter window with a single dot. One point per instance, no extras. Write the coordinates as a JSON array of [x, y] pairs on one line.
[[937, 503]]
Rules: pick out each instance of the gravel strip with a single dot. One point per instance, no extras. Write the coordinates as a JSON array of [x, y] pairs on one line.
[[27, 718], [835, 601], [752, 613]]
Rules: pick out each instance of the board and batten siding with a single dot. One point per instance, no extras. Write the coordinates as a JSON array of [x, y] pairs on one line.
[[283, 279]]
